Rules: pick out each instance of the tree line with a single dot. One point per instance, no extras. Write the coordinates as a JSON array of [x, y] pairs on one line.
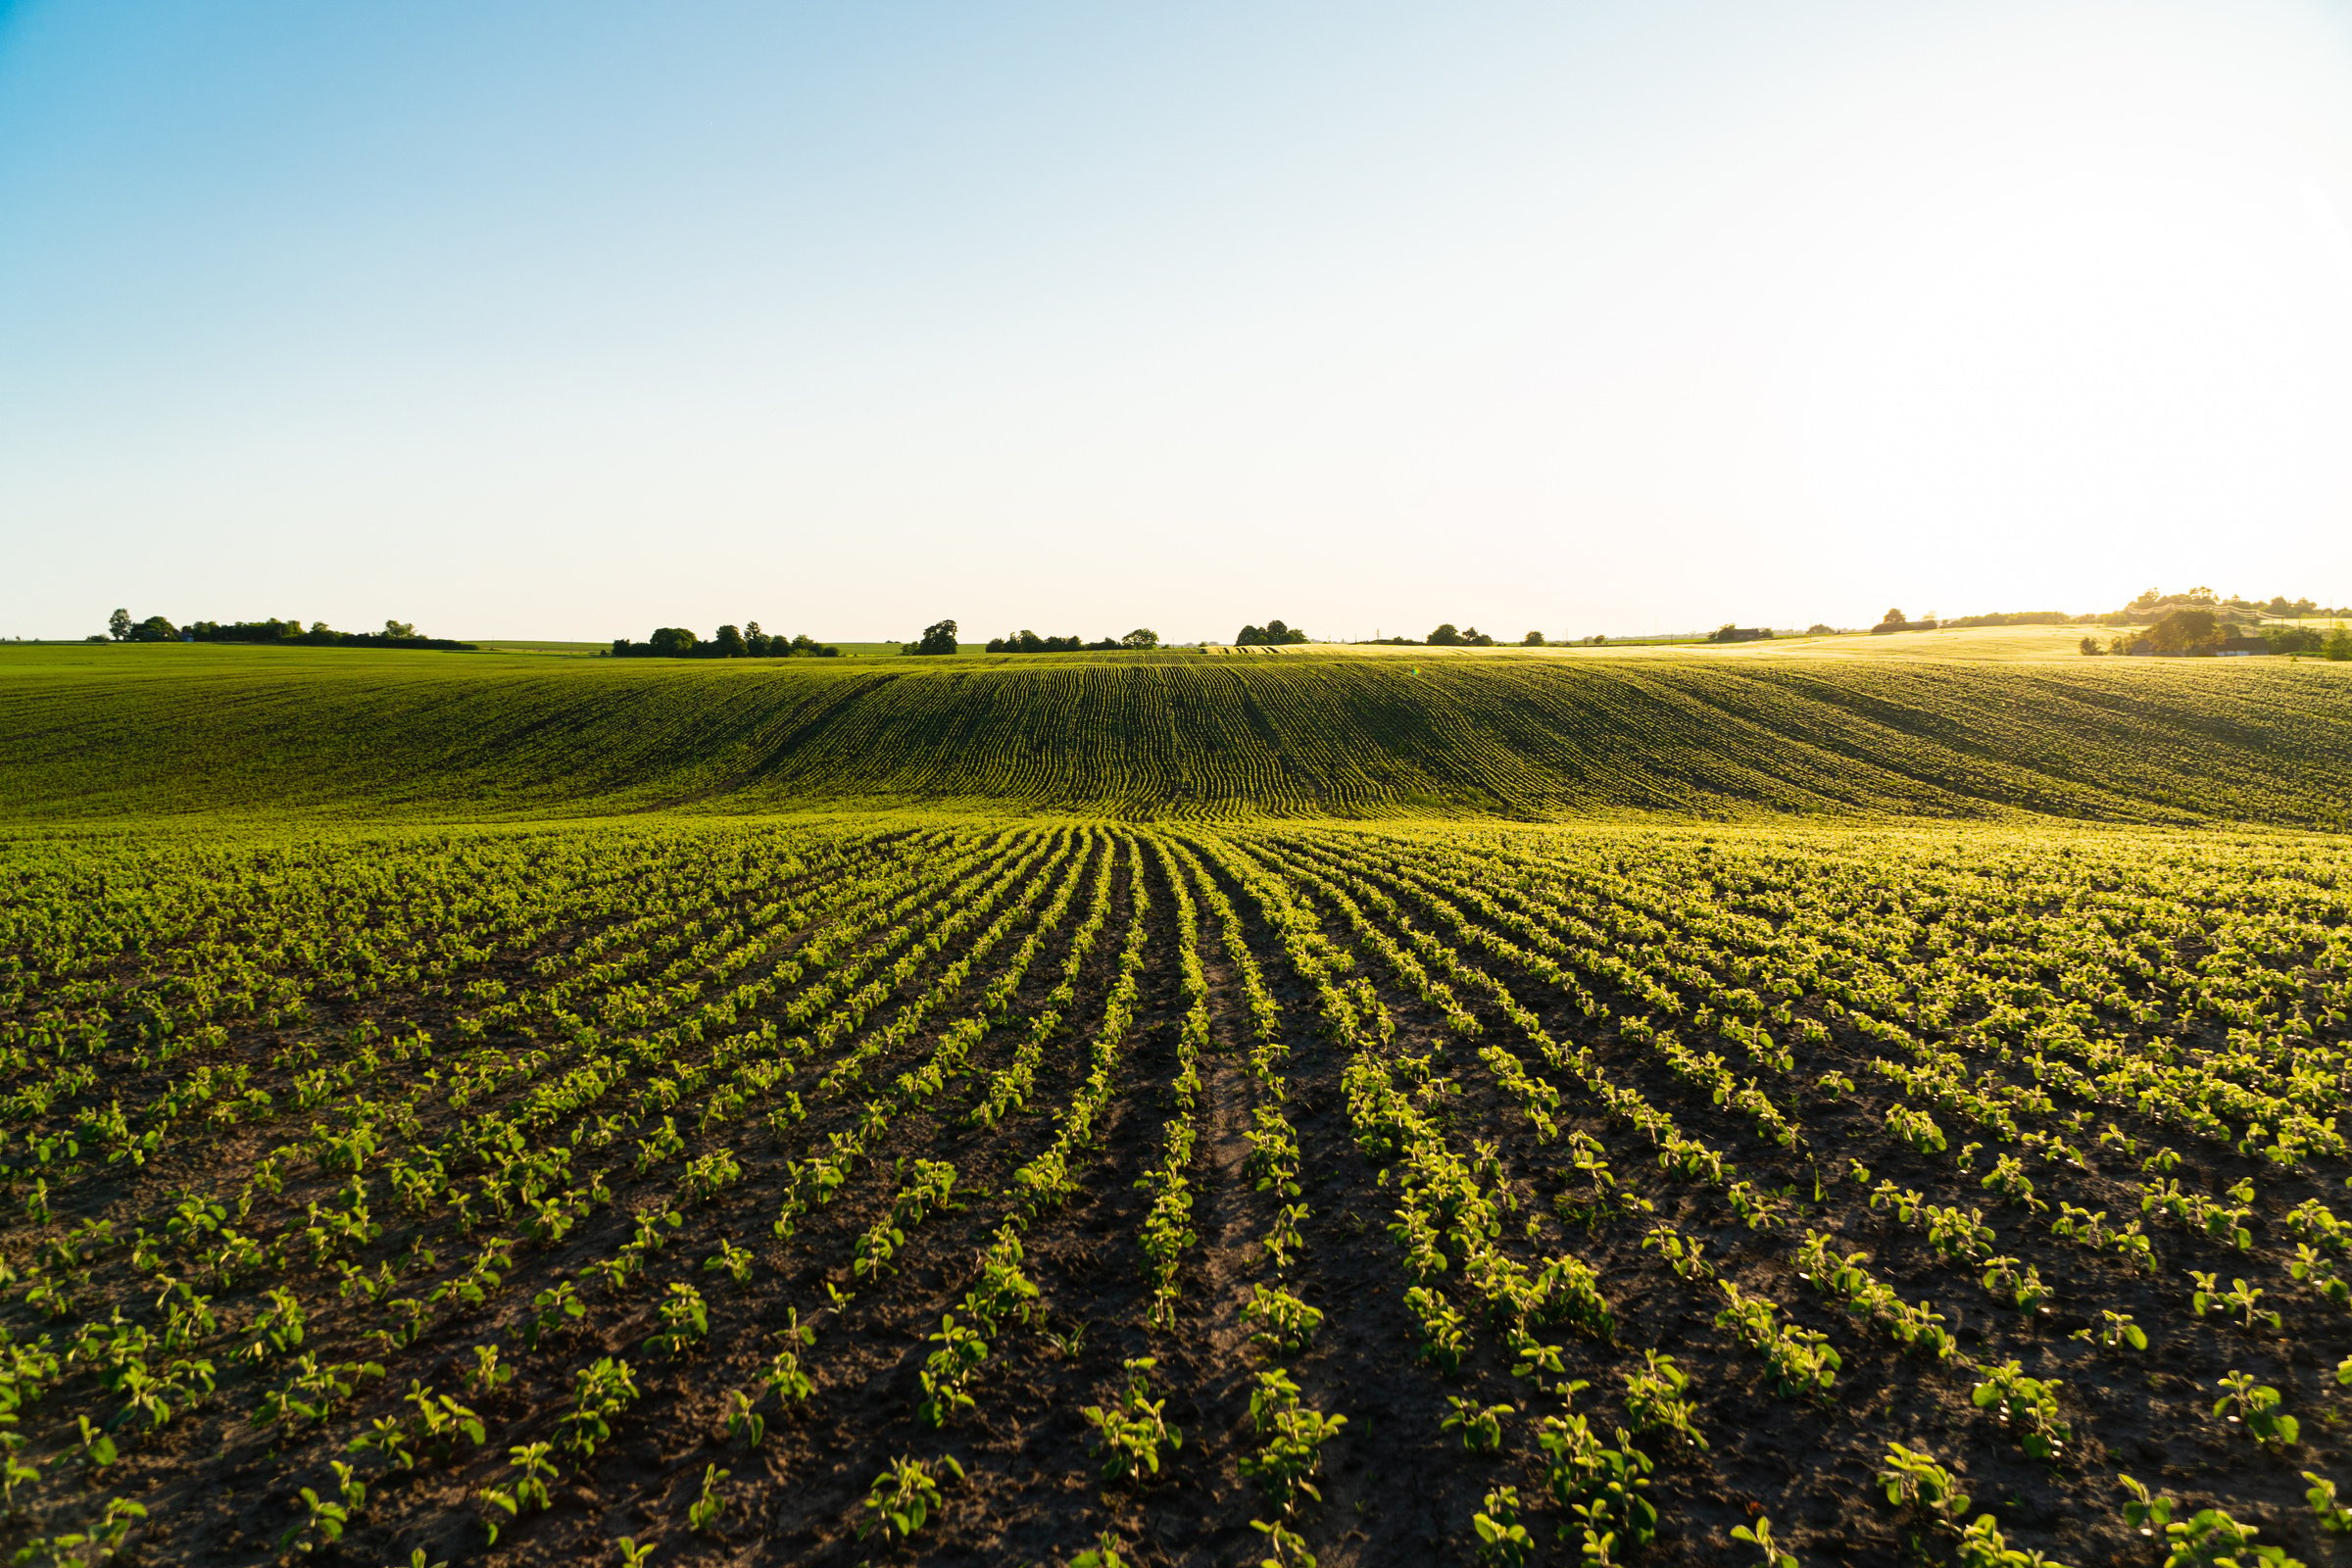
[[940, 638], [120, 627], [747, 641], [2150, 607], [1448, 635], [2194, 630]]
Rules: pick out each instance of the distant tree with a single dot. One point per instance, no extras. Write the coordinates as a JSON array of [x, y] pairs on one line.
[[2340, 644], [2090, 645], [1893, 617], [727, 643], [2293, 640], [1141, 637], [1474, 638], [1534, 639], [672, 642], [2186, 631], [1273, 634], [118, 625], [398, 628], [1723, 633], [1820, 628], [1448, 635], [938, 638], [154, 630]]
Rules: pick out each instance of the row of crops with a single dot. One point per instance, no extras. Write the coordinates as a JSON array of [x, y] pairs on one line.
[[136, 730], [912, 1188]]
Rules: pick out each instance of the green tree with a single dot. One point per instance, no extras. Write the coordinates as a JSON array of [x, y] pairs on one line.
[[1141, 637], [938, 638], [2293, 640], [2339, 643], [1273, 634], [1448, 635], [155, 629], [672, 642], [1534, 639], [398, 628], [727, 643], [118, 625], [2186, 631]]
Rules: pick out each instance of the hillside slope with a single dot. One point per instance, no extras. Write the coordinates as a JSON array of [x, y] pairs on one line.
[[115, 732]]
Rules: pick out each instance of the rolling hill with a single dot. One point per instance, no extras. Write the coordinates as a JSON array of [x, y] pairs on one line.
[[117, 732]]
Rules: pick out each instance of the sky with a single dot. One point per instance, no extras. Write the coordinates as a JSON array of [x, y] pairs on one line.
[[567, 321]]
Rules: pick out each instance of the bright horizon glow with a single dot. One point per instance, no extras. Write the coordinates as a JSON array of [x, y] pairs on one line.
[[565, 322]]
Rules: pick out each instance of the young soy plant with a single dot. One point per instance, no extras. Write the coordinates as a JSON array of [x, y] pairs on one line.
[[1290, 1439], [1759, 1536], [905, 1497], [1285, 1324], [2115, 1329], [2027, 1408], [1656, 1400], [1915, 1482], [527, 1492], [1502, 1539], [1132, 1433], [2255, 1406], [1481, 1427], [704, 1511]]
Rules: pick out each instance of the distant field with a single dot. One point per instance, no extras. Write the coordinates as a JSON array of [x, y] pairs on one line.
[[124, 731], [2058, 643], [593, 650]]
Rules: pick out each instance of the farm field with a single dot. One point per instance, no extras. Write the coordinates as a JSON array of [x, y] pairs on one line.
[[907, 1187], [106, 733], [2044, 644]]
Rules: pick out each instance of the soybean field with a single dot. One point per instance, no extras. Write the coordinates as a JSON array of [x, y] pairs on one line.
[[104, 734], [903, 1186]]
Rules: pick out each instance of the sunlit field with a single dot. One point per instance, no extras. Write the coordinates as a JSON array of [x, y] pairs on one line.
[[497, 1106]]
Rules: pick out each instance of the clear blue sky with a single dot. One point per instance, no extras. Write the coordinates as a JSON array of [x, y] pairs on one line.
[[572, 319]]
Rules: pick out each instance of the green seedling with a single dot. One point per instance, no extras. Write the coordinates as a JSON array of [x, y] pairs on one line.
[[704, 1511], [527, 1492], [905, 1497], [1481, 1427], [1502, 1539], [1759, 1536], [1132, 1433]]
